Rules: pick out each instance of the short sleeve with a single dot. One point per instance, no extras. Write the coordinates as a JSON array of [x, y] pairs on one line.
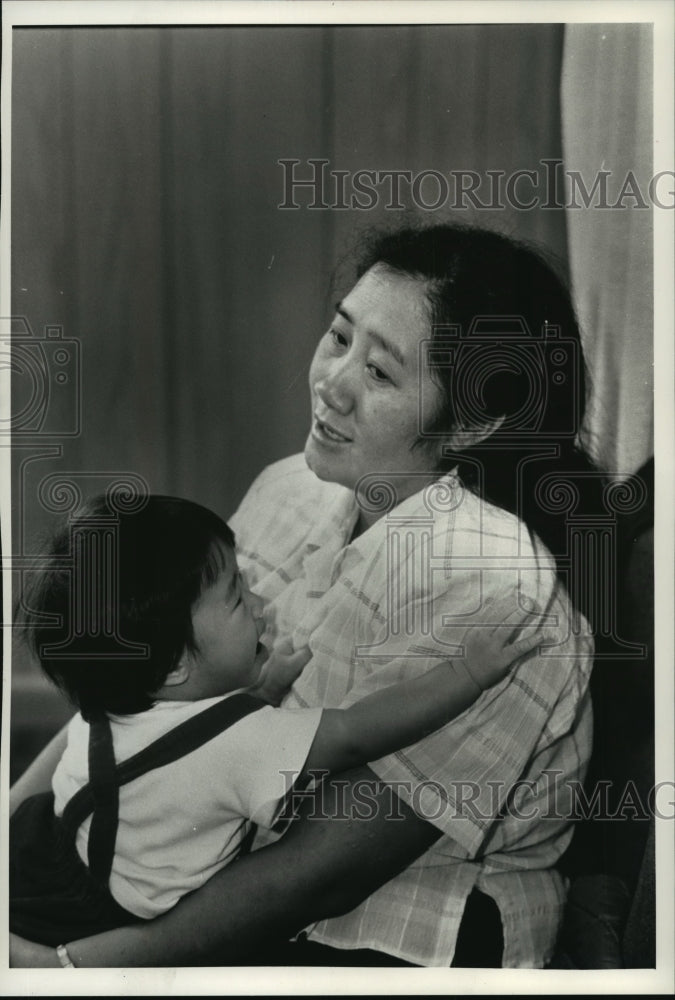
[[261, 758]]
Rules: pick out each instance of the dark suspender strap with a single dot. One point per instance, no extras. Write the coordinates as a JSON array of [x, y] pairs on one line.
[[178, 742], [105, 797]]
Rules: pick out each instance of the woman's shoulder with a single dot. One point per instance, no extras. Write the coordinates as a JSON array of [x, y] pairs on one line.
[[473, 525], [284, 504], [292, 481]]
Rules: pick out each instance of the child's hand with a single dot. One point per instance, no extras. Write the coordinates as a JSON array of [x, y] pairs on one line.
[[510, 633], [280, 671]]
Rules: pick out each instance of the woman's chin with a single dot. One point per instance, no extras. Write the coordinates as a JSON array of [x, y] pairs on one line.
[[322, 463], [313, 460]]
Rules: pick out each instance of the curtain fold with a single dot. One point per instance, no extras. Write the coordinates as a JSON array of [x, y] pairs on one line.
[[606, 95]]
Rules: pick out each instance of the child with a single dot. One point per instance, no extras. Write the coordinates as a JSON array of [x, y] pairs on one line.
[[176, 751]]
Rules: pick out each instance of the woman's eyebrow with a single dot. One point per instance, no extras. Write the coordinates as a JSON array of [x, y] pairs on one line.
[[385, 344], [341, 311]]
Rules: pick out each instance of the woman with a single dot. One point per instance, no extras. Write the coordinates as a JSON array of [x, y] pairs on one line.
[[445, 402]]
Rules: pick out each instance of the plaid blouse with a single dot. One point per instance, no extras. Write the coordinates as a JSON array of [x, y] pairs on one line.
[[498, 781]]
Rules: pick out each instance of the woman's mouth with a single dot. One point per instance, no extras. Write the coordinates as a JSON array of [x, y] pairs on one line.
[[324, 432]]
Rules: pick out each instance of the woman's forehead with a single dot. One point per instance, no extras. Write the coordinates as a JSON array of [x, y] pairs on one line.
[[387, 303]]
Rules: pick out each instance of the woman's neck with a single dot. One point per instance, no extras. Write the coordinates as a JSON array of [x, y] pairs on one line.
[[392, 493]]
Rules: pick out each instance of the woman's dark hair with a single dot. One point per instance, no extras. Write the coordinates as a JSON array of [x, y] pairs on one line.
[[504, 344], [109, 614]]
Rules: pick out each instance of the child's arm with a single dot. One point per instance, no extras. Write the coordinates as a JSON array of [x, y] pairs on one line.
[[38, 776], [404, 713]]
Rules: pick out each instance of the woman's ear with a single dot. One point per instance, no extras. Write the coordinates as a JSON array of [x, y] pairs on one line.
[[180, 673], [468, 437]]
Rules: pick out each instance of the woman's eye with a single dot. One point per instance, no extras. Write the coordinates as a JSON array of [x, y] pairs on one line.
[[338, 338], [378, 374]]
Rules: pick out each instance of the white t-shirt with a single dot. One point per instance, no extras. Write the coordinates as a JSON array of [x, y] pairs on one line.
[[181, 823]]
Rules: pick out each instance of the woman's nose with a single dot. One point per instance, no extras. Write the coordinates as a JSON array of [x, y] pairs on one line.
[[335, 389]]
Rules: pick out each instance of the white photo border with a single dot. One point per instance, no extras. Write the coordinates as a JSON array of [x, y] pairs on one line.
[[326, 981]]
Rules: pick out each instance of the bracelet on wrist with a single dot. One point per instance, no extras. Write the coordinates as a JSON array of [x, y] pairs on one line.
[[64, 957]]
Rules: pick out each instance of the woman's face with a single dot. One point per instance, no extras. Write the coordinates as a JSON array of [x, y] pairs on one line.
[[365, 384]]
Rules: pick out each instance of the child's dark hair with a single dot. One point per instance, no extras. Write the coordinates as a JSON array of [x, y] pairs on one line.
[[114, 582]]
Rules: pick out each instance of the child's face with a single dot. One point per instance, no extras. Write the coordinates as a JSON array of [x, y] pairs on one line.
[[227, 623]]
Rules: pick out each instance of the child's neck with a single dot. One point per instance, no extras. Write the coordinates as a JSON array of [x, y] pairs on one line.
[[187, 692]]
